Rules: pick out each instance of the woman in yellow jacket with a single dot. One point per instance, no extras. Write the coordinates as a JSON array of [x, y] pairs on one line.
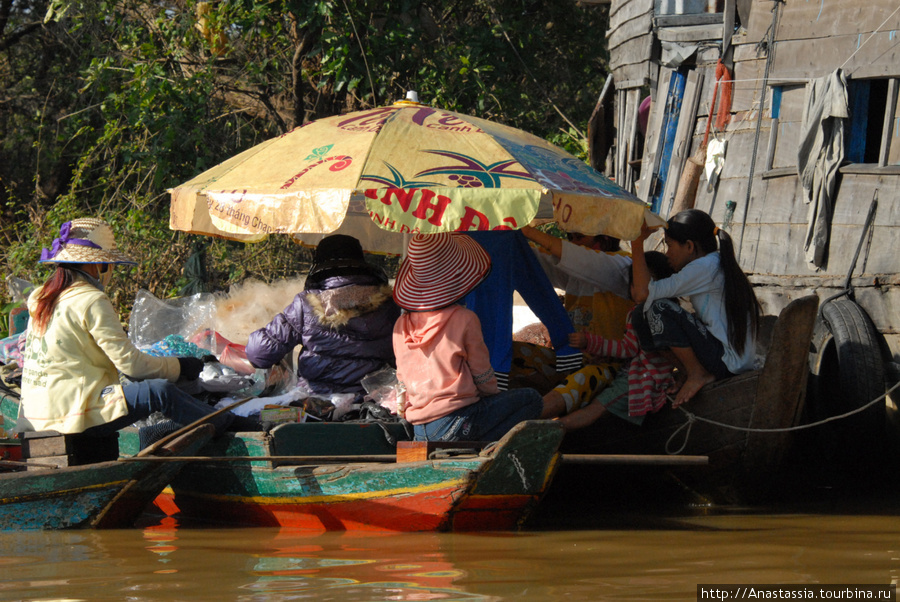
[[75, 348]]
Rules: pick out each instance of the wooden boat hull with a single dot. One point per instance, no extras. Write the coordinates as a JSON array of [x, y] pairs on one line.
[[495, 490], [103, 495], [738, 420], [64, 498]]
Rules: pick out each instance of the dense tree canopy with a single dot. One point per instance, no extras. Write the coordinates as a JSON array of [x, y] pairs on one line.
[[106, 104]]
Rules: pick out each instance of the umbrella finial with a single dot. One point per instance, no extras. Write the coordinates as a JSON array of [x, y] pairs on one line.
[[412, 99]]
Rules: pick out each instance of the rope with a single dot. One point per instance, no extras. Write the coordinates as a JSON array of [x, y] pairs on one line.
[[692, 418], [870, 36]]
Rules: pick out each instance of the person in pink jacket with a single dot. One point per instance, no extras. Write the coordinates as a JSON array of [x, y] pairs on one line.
[[442, 359]]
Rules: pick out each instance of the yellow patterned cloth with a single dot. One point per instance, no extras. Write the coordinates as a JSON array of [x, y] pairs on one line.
[[581, 387]]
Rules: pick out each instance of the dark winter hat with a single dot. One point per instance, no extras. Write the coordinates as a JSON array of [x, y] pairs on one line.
[[340, 255]]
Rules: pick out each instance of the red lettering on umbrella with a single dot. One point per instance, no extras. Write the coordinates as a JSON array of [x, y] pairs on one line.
[[473, 219], [430, 207], [436, 209]]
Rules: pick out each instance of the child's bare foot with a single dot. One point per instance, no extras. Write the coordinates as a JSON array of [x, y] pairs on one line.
[[692, 384], [678, 377]]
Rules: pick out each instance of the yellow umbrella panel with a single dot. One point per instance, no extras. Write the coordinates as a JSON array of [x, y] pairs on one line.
[[407, 168]]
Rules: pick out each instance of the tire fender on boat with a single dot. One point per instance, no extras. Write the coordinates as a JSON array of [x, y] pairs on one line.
[[846, 367]]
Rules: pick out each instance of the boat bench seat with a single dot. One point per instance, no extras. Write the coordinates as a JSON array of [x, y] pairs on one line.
[[361, 439], [336, 438], [49, 449]]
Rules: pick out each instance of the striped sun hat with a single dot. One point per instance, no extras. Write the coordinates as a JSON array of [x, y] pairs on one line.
[[439, 270], [84, 240]]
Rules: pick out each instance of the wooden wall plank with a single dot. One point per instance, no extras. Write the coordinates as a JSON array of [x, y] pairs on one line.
[[625, 10], [855, 195], [786, 146], [636, 51], [621, 135], [687, 122], [629, 75], [760, 19], [894, 152], [828, 18], [889, 115], [774, 248], [748, 76], [793, 99], [628, 31], [777, 201], [650, 160], [631, 131], [815, 58]]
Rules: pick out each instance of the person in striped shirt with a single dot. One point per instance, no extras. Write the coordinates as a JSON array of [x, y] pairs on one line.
[[636, 388]]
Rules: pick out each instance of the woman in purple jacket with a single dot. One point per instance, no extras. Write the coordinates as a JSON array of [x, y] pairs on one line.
[[343, 319]]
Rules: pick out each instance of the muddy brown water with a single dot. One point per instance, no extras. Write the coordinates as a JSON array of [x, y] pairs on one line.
[[604, 548]]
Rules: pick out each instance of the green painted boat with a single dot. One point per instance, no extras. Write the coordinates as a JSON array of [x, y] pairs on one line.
[[111, 494], [357, 477]]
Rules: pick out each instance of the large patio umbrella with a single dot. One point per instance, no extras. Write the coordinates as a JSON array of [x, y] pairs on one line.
[[403, 168]]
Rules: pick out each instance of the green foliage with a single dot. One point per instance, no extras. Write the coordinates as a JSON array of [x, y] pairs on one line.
[[106, 105]]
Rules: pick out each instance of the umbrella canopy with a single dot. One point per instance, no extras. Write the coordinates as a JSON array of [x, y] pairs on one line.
[[405, 168]]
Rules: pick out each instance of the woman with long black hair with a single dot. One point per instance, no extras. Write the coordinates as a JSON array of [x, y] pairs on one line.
[[719, 339]]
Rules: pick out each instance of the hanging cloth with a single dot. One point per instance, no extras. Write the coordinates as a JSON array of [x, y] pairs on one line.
[[514, 268], [715, 161], [820, 154]]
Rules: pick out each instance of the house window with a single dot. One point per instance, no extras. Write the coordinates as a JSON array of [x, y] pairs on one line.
[[787, 115], [872, 135], [871, 131]]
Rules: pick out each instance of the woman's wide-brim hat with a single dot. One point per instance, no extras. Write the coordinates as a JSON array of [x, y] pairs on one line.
[[84, 240], [340, 255], [439, 270]]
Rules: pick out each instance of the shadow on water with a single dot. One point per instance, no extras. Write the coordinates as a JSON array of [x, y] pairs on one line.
[[649, 497]]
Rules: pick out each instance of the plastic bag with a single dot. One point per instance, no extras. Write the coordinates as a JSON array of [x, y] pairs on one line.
[[383, 388], [9, 349], [18, 289], [254, 406], [192, 318], [235, 356], [217, 378]]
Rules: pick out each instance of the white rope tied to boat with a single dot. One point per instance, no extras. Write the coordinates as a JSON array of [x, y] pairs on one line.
[[692, 418]]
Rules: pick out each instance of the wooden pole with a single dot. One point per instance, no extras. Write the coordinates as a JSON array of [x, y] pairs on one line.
[[150, 449], [584, 459], [292, 459], [635, 459]]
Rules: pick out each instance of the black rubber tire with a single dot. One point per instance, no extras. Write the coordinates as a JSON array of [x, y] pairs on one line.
[[847, 372]]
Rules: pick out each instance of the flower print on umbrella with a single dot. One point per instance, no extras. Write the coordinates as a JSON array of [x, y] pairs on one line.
[[474, 173], [397, 181]]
